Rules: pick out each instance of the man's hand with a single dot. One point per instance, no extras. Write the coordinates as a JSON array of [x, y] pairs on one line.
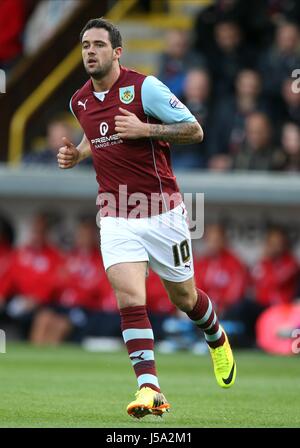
[[130, 126], [68, 155]]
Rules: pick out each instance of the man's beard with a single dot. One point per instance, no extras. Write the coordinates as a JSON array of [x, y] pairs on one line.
[[100, 72]]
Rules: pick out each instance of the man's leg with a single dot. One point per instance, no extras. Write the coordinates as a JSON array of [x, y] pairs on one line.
[[50, 328], [60, 328], [197, 305], [40, 325], [128, 282]]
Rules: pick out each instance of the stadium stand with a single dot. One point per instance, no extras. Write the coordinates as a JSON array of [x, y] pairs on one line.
[[235, 73]]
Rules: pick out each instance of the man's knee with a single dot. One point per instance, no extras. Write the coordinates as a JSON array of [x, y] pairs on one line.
[[127, 299], [128, 282], [184, 298], [63, 325], [186, 302]]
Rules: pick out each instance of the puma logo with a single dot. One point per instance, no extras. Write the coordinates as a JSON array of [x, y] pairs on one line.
[[188, 266], [80, 103], [140, 357]]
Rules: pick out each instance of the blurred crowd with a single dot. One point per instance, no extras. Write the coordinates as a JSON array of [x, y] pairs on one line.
[[50, 293], [235, 72]]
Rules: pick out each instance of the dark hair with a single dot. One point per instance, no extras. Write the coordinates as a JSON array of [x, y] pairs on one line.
[[114, 34]]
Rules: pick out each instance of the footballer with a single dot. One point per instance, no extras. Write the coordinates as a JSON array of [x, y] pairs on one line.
[[128, 120]]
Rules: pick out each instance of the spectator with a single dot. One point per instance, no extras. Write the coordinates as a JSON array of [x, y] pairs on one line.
[[258, 152], [176, 60], [256, 26], [229, 57], [220, 272], [228, 131], [6, 252], [276, 274], [283, 10], [278, 62], [290, 142], [82, 288], [196, 96], [33, 275], [12, 20], [56, 130], [290, 110]]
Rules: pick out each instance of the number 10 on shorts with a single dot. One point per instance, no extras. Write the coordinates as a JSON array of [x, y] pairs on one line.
[[181, 253]]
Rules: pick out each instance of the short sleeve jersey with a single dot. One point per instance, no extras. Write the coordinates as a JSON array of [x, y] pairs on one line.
[[131, 172]]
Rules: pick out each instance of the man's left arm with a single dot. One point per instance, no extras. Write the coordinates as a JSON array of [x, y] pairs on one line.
[[180, 133], [179, 125]]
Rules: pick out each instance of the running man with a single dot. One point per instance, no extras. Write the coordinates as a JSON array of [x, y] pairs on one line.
[[128, 120]]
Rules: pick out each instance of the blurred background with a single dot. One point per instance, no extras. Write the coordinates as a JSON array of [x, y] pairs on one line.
[[233, 64]]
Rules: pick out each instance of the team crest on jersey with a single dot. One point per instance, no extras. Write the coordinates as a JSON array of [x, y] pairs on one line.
[[126, 94]]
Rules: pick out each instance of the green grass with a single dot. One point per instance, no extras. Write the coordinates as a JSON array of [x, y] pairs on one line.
[[68, 387]]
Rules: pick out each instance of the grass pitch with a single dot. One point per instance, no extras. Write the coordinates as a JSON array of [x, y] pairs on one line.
[[69, 387]]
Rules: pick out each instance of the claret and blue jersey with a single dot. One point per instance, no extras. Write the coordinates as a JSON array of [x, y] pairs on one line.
[[143, 165]]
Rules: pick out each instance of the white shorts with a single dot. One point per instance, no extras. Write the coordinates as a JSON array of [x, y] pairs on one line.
[[163, 241]]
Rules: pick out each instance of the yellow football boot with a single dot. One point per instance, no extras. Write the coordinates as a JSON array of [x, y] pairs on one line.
[[224, 364], [148, 401]]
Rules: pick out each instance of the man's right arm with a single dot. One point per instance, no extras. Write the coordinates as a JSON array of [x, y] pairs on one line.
[[84, 148], [69, 155]]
